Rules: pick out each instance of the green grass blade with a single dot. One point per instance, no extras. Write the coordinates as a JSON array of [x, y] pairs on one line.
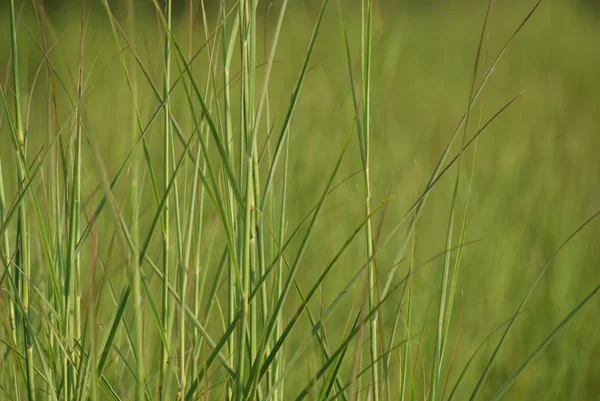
[[488, 366], [292, 105], [286, 287], [513, 378], [437, 173]]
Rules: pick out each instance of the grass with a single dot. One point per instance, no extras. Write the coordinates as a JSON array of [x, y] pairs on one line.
[[332, 201]]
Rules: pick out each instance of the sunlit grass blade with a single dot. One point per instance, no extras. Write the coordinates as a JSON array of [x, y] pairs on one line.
[[316, 286], [23, 256], [254, 374], [205, 110], [347, 341]]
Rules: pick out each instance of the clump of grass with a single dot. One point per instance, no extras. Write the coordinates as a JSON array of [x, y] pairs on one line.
[[209, 300]]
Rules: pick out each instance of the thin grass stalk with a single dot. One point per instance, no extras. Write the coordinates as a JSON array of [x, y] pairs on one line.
[[227, 52], [6, 260], [30, 176], [93, 354], [214, 195], [247, 326], [52, 204], [248, 59], [175, 126], [5, 254], [127, 242], [294, 99], [258, 266], [216, 348], [165, 318], [184, 268], [135, 267], [259, 251], [243, 351], [278, 363], [442, 309], [259, 369], [25, 190], [54, 194], [259, 210], [373, 296], [242, 162], [249, 245], [320, 333], [268, 63], [259, 200], [23, 252], [200, 280], [408, 323], [325, 314], [355, 100], [132, 85], [181, 271], [196, 337], [465, 218], [76, 194], [205, 166], [247, 18], [272, 211], [275, 354], [216, 136], [180, 276], [446, 299], [277, 366], [359, 132], [344, 344], [115, 27], [134, 264]]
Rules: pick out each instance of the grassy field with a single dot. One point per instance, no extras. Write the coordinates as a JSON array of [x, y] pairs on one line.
[[107, 215]]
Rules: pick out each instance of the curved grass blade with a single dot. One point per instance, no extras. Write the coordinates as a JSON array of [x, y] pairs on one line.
[[344, 344], [385, 354], [436, 173], [446, 300], [335, 302], [291, 107], [472, 358], [511, 380], [315, 287], [286, 287], [522, 305], [206, 112]]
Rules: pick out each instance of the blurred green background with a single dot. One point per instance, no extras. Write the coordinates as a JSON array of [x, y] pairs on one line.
[[536, 176]]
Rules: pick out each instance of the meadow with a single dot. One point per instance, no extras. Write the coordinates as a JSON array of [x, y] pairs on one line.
[[339, 200]]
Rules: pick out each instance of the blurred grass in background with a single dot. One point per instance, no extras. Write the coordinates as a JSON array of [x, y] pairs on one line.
[[536, 177]]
